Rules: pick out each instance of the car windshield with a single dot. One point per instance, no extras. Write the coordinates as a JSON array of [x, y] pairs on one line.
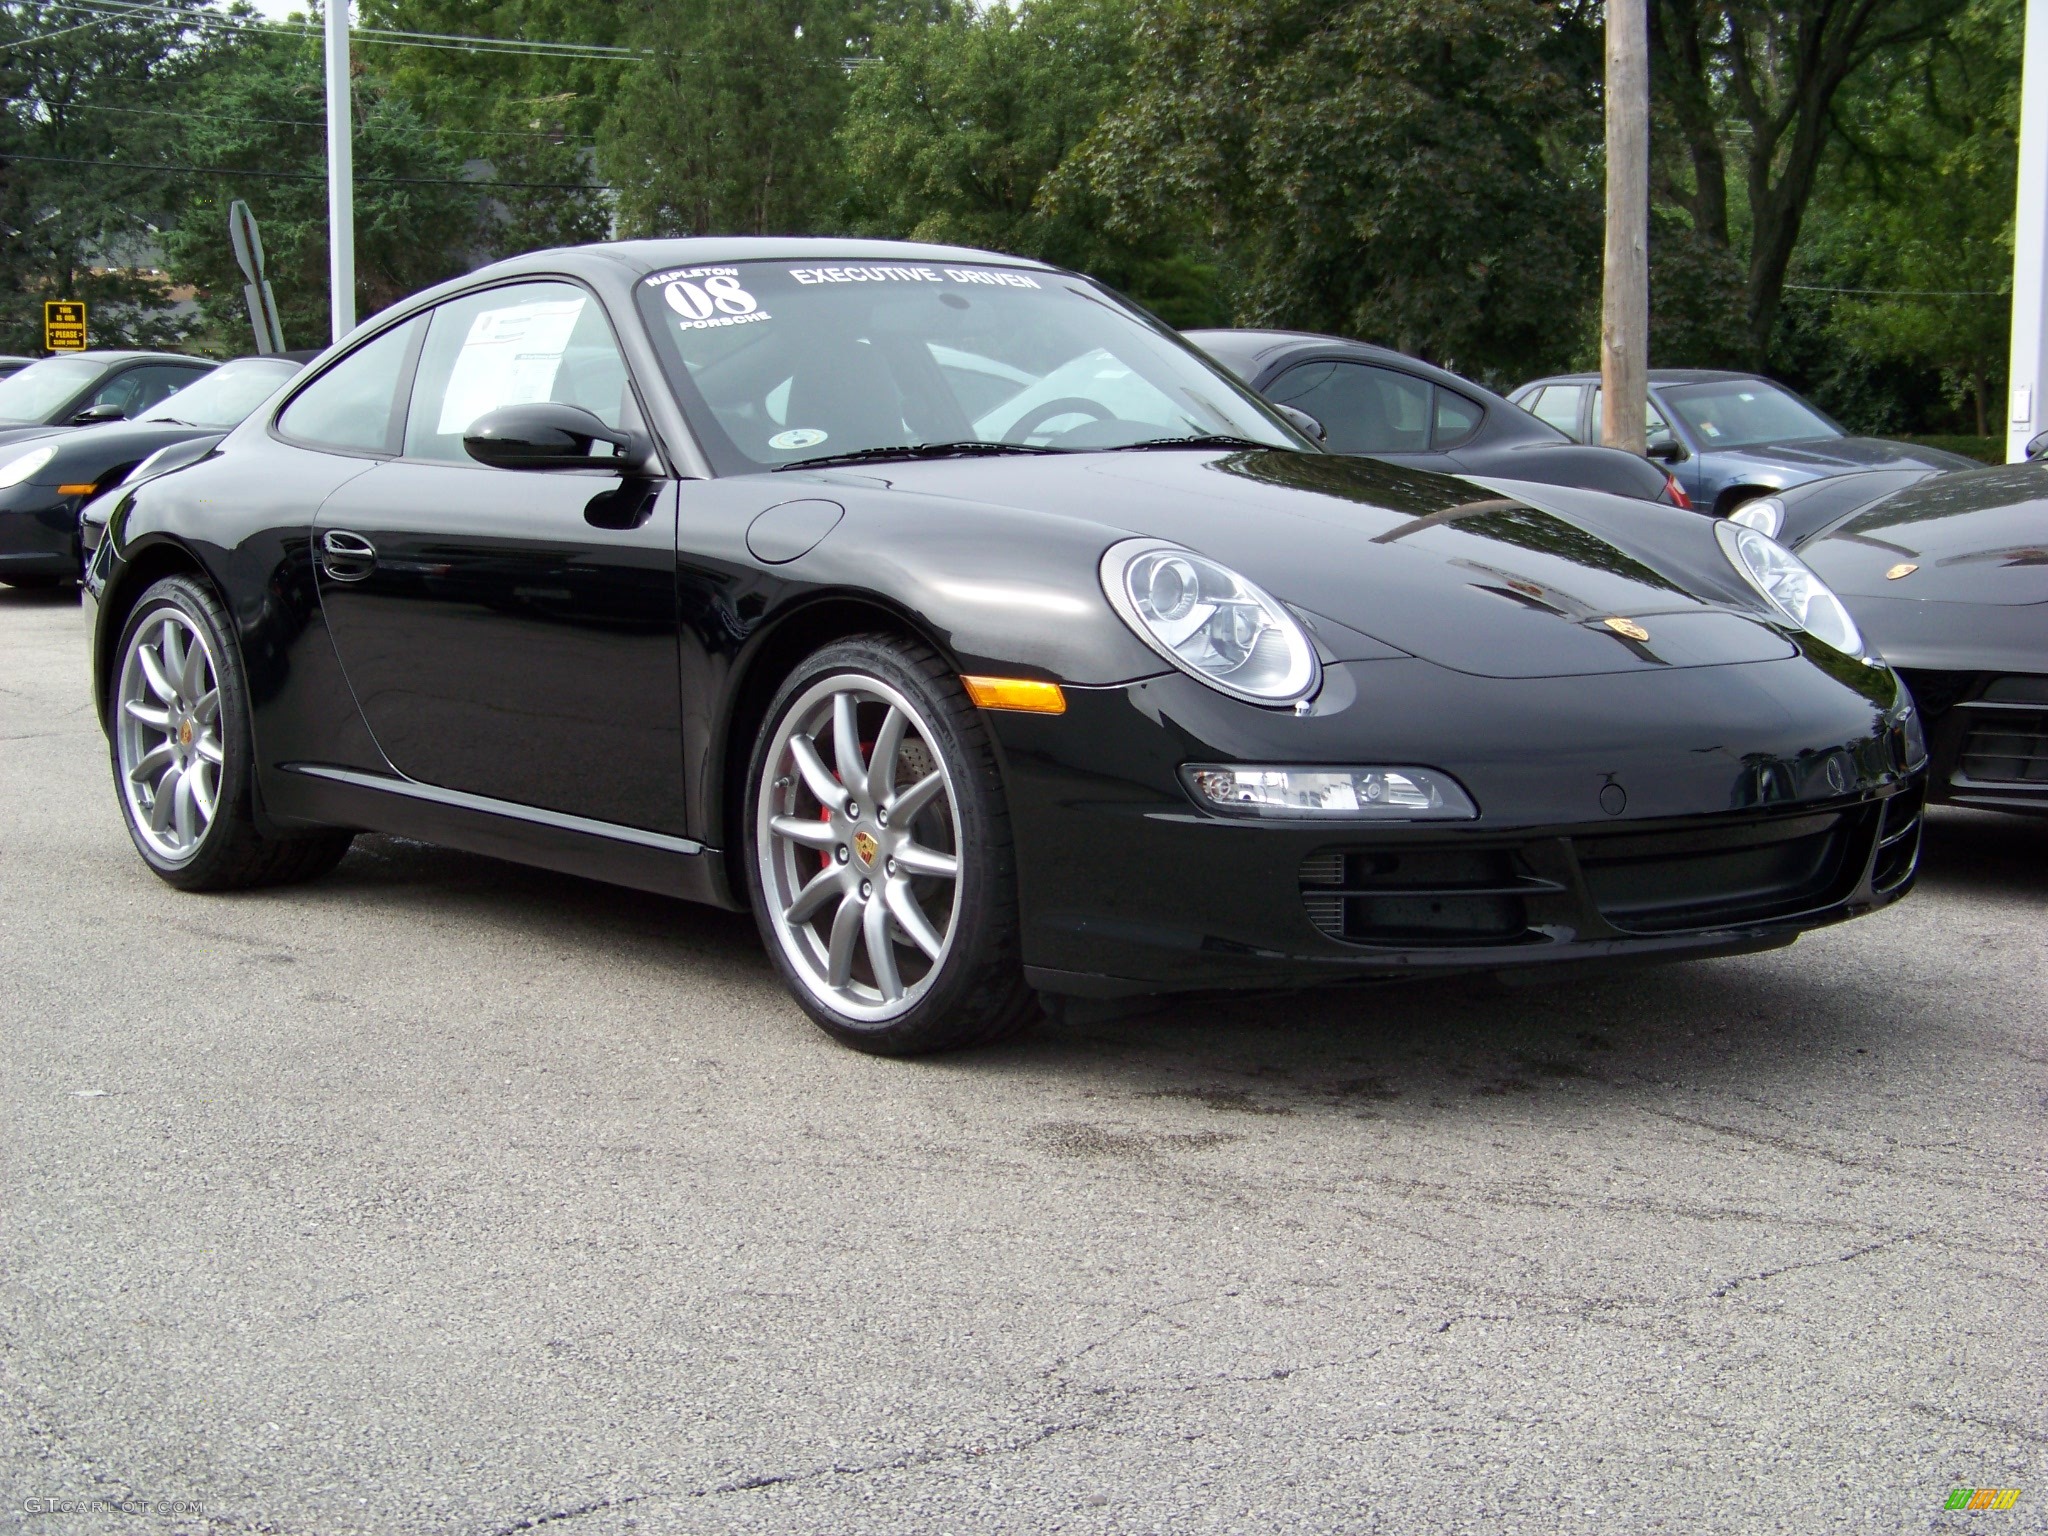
[[32, 394], [779, 363], [1745, 413], [226, 395]]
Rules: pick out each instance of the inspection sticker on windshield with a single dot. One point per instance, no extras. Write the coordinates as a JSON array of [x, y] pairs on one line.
[[706, 298], [797, 437]]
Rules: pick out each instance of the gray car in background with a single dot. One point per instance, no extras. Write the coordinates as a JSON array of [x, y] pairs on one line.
[[1730, 437]]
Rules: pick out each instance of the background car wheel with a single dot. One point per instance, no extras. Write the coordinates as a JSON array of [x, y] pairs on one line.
[[882, 872], [182, 753]]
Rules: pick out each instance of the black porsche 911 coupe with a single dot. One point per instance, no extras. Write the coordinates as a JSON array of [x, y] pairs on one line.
[[981, 637], [1949, 580]]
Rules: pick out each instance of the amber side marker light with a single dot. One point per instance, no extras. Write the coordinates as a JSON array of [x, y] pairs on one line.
[[76, 490], [1022, 693]]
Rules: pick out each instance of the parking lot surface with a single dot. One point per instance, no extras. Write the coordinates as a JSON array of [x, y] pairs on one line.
[[444, 1196]]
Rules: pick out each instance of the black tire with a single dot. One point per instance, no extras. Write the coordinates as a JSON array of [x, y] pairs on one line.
[[231, 854], [974, 992]]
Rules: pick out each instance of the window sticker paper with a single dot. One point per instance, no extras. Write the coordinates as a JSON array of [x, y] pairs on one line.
[[509, 357]]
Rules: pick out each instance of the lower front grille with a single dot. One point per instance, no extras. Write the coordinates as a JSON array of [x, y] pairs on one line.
[[1666, 883], [1650, 883], [2005, 746]]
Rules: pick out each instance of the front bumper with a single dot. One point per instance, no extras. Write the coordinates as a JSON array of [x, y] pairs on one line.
[[40, 538], [1761, 801]]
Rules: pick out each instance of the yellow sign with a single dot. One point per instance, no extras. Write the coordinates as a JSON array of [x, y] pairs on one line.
[[64, 325]]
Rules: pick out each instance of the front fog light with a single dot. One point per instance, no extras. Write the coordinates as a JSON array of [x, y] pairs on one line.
[[1381, 794]]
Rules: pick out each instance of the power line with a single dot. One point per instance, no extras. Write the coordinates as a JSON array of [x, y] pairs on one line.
[[310, 122], [44, 37], [1905, 293], [385, 36], [402, 181]]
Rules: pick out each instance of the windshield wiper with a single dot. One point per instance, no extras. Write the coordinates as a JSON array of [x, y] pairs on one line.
[[1195, 440], [962, 450]]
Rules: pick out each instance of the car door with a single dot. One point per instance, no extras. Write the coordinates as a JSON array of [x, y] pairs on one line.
[[510, 633], [1364, 409], [1659, 433]]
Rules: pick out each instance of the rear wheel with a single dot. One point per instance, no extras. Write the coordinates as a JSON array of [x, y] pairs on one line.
[[182, 753], [882, 873]]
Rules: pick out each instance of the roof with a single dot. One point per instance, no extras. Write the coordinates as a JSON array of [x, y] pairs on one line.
[[1660, 376], [117, 355], [650, 255], [1257, 346]]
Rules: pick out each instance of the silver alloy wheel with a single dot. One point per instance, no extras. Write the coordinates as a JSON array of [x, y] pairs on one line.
[[167, 739], [858, 838]]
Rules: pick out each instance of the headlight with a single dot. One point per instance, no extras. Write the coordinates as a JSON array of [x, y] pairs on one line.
[[1382, 794], [16, 470], [1786, 583], [1210, 622], [1766, 514]]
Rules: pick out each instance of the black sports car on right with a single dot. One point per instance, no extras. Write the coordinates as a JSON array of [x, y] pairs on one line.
[[1948, 580]]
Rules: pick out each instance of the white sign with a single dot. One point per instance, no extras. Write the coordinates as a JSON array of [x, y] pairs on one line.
[[510, 357]]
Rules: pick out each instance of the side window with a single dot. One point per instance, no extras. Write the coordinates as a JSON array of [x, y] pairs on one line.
[[1655, 428], [1559, 404], [512, 346], [351, 405], [1456, 418], [136, 389], [1364, 409]]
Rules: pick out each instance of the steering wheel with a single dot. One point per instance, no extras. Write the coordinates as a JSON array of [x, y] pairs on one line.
[[1066, 405]]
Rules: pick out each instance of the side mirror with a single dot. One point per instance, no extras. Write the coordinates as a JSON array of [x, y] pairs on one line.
[[1304, 423], [93, 414], [1670, 451], [2036, 446], [549, 435]]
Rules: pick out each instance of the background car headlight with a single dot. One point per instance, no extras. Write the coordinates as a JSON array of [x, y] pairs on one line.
[[1383, 794], [19, 468], [1790, 587], [1766, 514], [1210, 622]]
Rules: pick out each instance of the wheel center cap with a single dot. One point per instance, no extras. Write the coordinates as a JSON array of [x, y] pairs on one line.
[[865, 845], [185, 734]]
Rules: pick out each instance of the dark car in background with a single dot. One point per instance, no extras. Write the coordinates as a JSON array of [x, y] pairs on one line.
[[1948, 580], [80, 389], [1792, 517], [46, 480], [1729, 437], [1376, 403]]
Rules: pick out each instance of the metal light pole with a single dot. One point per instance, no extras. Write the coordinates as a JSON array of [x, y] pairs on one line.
[[341, 186], [1625, 296], [2030, 246]]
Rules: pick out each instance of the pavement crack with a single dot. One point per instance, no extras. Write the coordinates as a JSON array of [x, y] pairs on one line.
[[2004, 1427], [1728, 1286]]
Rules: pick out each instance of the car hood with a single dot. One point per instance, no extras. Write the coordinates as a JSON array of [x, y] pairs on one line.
[[1980, 537], [12, 435], [1382, 559], [1811, 458]]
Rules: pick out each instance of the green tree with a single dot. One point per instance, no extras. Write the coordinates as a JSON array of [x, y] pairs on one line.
[[1911, 246], [1746, 96], [726, 124], [534, 117], [254, 125], [81, 191], [1416, 175], [958, 130]]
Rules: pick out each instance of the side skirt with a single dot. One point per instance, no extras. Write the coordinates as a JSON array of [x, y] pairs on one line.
[[502, 829]]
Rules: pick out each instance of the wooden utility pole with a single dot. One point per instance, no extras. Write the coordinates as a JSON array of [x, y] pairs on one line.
[[1625, 296]]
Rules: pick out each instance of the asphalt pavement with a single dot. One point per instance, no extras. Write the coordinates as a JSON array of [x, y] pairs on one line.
[[445, 1196]]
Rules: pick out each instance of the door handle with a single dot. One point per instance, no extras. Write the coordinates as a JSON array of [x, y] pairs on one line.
[[346, 556]]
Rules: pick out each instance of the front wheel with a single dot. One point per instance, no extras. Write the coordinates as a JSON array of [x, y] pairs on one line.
[[882, 873], [183, 760]]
